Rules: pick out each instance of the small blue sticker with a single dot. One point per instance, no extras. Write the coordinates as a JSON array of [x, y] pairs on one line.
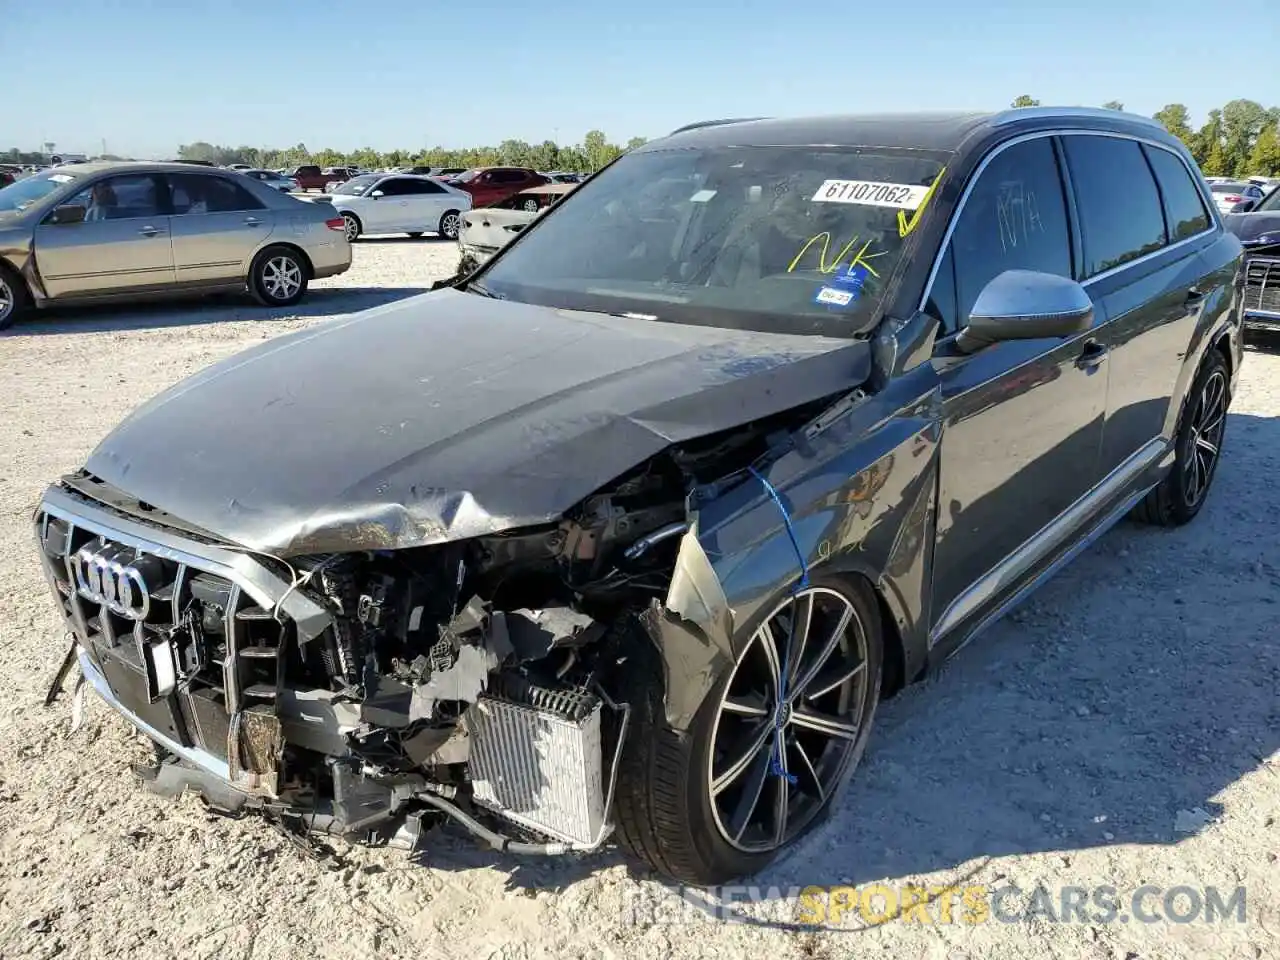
[[842, 290]]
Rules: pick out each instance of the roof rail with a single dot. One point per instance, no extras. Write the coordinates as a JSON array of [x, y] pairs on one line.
[[713, 123], [1103, 113]]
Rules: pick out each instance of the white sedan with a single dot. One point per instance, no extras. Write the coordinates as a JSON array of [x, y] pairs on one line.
[[400, 203]]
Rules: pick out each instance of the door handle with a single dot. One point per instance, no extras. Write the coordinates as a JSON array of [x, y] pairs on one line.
[[148, 231], [251, 221], [1091, 356]]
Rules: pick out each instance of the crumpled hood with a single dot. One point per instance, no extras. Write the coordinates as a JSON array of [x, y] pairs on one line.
[[444, 416], [1250, 226]]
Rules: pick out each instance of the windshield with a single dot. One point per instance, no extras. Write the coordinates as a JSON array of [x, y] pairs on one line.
[[466, 176], [23, 193], [356, 186], [776, 239], [1270, 203]]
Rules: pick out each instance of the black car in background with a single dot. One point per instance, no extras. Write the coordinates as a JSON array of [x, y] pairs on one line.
[[1258, 227], [634, 527]]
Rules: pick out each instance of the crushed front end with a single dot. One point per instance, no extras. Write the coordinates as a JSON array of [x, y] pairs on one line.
[[366, 694]]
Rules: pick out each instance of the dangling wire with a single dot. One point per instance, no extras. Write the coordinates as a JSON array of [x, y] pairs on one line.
[[776, 767]]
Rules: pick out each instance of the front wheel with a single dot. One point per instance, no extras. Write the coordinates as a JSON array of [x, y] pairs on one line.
[[769, 749], [1198, 447], [278, 277], [451, 225]]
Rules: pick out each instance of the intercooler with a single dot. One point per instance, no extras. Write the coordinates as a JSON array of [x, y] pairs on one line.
[[540, 766]]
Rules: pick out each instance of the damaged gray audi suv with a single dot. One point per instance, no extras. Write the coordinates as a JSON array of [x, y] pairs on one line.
[[627, 533]]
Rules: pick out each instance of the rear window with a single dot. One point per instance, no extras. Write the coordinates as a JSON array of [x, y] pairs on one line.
[[1228, 187], [1121, 217], [1184, 208]]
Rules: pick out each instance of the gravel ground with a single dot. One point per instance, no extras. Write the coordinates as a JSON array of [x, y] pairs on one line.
[[1120, 729]]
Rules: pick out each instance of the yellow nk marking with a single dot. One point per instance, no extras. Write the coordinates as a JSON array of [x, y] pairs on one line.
[[905, 226], [859, 259]]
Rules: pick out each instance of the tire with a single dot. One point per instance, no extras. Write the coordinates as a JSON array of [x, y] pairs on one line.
[[352, 226], [669, 811], [1198, 444], [415, 234], [14, 298], [278, 276], [450, 224]]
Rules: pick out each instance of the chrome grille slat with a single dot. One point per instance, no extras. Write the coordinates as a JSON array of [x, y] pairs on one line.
[[1262, 285]]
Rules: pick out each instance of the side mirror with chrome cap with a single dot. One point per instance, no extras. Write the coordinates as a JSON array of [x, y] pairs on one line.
[[1026, 305], [376, 194]]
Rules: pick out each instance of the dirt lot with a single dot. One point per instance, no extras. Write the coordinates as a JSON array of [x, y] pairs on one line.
[[1121, 729]]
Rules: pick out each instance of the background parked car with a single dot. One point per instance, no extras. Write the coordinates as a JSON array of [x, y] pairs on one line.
[[1227, 193], [309, 177], [112, 231], [447, 173], [336, 175], [399, 203], [484, 232], [489, 185], [270, 178]]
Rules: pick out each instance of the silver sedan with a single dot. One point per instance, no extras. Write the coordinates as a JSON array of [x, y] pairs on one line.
[[101, 232]]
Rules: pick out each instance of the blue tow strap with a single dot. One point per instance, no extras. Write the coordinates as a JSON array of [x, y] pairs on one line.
[[776, 767]]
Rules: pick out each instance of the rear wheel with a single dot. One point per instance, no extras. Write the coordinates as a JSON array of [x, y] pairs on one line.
[[770, 748], [1198, 446], [451, 225], [14, 298], [278, 277], [351, 226]]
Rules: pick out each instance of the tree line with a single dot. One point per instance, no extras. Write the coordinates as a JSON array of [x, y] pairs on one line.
[[593, 153], [1239, 139]]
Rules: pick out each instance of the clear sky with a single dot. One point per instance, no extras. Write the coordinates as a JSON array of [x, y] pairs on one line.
[[146, 75]]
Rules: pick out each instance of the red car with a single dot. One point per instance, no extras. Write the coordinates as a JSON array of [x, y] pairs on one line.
[[310, 177], [490, 185]]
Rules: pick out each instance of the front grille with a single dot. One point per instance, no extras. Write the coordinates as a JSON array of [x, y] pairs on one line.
[[182, 643], [1262, 285]]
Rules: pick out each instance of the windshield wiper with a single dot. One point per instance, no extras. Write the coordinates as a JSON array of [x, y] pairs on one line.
[[484, 291]]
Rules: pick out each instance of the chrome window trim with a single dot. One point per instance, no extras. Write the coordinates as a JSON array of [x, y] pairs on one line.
[[1215, 222]]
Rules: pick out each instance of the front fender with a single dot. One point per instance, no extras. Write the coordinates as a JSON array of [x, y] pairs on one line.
[[857, 490]]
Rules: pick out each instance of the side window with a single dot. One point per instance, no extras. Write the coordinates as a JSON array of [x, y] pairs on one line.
[[392, 188], [508, 176], [1015, 218], [1183, 205], [422, 187], [120, 198], [194, 194], [1119, 206]]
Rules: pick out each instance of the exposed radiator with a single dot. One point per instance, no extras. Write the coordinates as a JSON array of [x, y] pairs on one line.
[[538, 768]]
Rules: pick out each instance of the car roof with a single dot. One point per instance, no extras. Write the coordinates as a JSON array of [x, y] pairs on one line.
[[139, 166], [939, 130]]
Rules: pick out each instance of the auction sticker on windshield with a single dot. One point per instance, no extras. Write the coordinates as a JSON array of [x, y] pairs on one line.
[[902, 196]]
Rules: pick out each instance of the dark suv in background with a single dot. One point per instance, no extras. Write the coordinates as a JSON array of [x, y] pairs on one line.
[[634, 526]]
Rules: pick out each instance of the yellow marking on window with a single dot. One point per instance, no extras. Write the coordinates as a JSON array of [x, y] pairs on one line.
[[859, 259], [905, 226]]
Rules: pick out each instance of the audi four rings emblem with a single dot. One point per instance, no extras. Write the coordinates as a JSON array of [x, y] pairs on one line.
[[106, 581]]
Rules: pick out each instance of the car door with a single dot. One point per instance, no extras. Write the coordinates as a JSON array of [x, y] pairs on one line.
[[430, 200], [121, 246], [391, 212], [1022, 420], [1144, 285], [216, 226]]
